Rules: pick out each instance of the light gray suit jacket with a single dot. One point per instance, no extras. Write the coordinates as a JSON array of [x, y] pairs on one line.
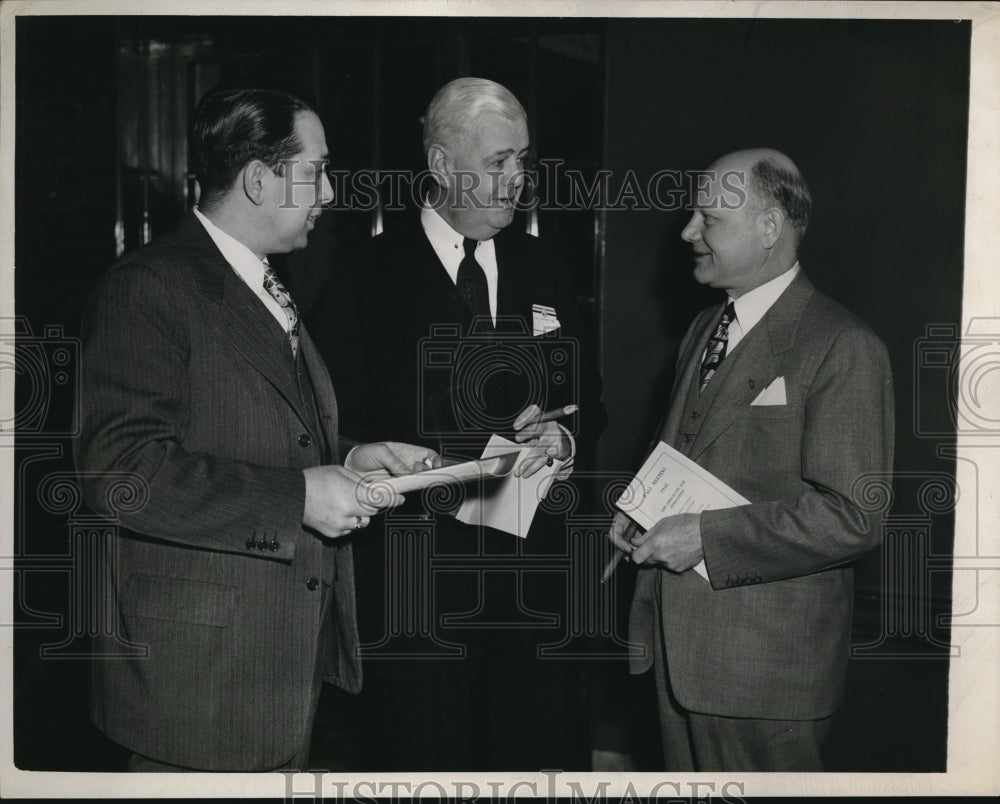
[[769, 637], [188, 382]]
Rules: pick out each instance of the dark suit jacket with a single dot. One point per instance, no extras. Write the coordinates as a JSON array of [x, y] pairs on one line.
[[374, 324], [188, 382], [769, 637]]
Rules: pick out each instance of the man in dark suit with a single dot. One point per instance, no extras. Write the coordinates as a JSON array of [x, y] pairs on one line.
[[786, 397], [199, 382], [453, 325]]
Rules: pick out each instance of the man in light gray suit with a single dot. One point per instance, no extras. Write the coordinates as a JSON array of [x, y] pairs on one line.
[[786, 397], [199, 381]]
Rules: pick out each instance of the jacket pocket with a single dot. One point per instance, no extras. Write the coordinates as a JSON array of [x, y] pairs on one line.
[[178, 600]]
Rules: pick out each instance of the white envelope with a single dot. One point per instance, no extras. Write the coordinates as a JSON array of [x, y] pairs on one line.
[[774, 394]]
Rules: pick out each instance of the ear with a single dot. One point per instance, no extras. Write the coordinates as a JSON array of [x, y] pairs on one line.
[[255, 175], [772, 222], [439, 163]]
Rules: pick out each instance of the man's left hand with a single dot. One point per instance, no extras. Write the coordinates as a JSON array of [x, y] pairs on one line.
[[549, 441], [674, 542], [394, 457]]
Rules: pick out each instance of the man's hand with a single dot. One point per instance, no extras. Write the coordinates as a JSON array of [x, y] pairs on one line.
[[392, 456], [616, 534], [674, 542], [336, 503], [549, 441]]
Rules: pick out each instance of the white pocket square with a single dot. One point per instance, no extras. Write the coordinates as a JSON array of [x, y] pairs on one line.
[[774, 394]]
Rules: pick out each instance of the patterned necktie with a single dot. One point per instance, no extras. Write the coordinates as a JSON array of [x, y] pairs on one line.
[[716, 351], [277, 291], [471, 282]]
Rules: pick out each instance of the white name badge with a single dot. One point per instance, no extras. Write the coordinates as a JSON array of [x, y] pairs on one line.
[[543, 319]]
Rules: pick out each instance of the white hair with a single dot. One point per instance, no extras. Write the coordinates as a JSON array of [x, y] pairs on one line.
[[458, 103]]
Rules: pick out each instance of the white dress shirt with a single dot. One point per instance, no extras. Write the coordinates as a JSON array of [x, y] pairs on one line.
[[751, 307], [447, 244], [247, 265]]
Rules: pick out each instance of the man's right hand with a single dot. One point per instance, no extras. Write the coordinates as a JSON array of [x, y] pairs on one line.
[[336, 503], [616, 533]]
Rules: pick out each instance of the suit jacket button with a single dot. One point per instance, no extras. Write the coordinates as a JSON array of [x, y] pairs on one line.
[[273, 545], [262, 544], [251, 544], [687, 438], [305, 440], [312, 584], [694, 414]]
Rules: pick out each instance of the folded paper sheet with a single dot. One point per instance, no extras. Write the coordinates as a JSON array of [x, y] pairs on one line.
[[506, 503], [669, 484]]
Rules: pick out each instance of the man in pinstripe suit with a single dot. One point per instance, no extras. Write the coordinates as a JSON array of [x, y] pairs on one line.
[[199, 381]]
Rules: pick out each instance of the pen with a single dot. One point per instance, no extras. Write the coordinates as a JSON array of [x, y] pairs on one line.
[[630, 531]]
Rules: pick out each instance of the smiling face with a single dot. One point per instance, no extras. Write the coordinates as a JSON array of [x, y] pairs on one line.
[[297, 194], [727, 231], [485, 175]]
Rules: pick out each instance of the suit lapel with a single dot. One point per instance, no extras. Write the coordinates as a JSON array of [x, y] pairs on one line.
[[691, 362], [738, 380], [258, 337], [242, 318], [519, 282], [509, 290], [753, 364], [424, 280], [326, 400]]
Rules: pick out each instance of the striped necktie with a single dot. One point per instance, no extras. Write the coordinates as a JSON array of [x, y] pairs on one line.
[[277, 292], [716, 351]]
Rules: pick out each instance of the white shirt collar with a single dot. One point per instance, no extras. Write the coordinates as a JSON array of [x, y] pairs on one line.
[[248, 266], [752, 306], [447, 244], [438, 230]]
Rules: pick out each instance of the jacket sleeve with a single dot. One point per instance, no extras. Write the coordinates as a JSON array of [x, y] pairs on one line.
[[134, 412], [847, 437]]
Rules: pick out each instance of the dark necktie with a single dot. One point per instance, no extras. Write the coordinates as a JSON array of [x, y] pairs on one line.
[[471, 282], [277, 291], [716, 351]]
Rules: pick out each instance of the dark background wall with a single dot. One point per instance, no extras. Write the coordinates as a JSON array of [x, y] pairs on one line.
[[875, 114]]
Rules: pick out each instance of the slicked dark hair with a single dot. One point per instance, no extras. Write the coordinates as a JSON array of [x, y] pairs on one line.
[[785, 188], [232, 127]]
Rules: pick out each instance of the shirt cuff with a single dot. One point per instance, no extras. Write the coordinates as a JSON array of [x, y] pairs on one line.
[[572, 443], [347, 458], [567, 465]]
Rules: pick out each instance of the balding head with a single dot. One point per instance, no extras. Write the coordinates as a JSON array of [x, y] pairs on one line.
[[458, 103], [772, 180], [748, 219]]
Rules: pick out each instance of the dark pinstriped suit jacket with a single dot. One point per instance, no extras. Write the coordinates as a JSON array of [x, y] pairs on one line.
[[769, 637], [189, 383]]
